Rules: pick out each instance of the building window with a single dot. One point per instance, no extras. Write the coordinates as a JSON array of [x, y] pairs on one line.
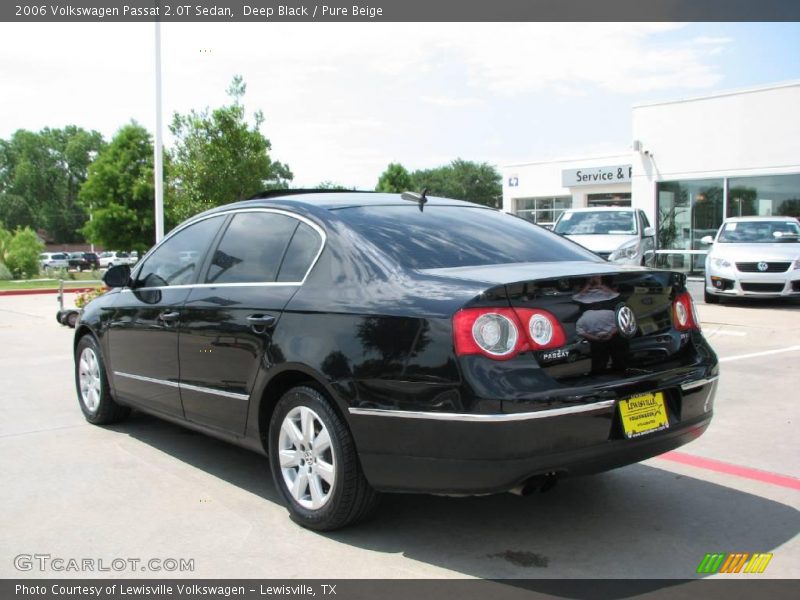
[[767, 196], [618, 199], [686, 212], [542, 211]]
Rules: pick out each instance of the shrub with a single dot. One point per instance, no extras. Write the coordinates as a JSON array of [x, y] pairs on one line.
[[22, 256], [5, 274], [84, 298]]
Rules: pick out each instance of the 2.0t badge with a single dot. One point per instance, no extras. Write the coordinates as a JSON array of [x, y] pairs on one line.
[[626, 321]]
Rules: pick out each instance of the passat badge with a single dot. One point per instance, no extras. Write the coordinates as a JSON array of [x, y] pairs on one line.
[[626, 321]]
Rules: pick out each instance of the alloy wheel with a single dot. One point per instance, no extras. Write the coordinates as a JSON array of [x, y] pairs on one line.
[[89, 378], [307, 459]]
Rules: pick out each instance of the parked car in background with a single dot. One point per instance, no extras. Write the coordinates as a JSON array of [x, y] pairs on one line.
[[620, 235], [93, 259], [372, 342], [109, 259], [757, 257], [83, 261], [54, 260]]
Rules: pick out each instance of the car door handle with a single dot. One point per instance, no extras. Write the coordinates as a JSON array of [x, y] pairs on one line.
[[169, 317], [260, 323]]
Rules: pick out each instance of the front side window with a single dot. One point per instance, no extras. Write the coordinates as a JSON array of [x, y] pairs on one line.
[[252, 248], [176, 261]]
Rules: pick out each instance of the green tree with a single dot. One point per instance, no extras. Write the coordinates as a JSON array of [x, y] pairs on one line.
[[5, 239], [22, 258], [219, 158], [463, 180], [119, 192], [330, 185], [40, 175], [394, 180]]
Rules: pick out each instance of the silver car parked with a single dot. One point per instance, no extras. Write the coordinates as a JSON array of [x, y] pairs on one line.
[[753, 256], [620, 235]]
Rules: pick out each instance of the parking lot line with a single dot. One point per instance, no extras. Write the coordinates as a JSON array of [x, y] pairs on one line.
[[756, 354], [731, 469]]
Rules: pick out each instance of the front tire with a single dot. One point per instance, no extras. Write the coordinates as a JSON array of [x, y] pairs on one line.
[[94, 394], [315, 465]]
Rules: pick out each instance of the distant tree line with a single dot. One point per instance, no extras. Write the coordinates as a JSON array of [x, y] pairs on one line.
[[70, 185], [461, 179]]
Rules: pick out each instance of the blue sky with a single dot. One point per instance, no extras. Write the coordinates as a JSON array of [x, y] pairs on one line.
[[343, 100]]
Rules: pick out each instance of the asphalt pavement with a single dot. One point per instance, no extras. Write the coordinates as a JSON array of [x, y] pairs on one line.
[[147, 489]]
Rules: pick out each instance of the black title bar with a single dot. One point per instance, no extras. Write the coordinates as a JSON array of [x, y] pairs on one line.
[[260, 11]]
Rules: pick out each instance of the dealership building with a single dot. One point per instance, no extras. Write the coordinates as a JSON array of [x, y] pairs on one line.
[[692, 163]]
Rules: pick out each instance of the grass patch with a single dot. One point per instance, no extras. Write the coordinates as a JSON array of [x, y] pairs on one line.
[[45, 284]]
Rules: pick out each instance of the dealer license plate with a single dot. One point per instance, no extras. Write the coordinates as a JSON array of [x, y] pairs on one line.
[[643, 414]]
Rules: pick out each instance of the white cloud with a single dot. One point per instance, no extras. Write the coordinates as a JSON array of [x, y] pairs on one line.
[[450, 101], [341, 100]]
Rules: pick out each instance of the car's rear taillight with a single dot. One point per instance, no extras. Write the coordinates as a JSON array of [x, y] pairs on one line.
[[543, 329], [684, 315], [494, 332], [502, 333]]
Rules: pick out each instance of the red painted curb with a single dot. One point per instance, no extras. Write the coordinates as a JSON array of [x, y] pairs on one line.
[[43, 291], [730, 469]]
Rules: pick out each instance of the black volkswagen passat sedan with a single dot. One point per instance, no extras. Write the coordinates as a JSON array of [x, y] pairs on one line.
[[370, 343]]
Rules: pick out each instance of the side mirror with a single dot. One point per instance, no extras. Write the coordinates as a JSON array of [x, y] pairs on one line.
[[649, 231], [707, 240], [117, 276]]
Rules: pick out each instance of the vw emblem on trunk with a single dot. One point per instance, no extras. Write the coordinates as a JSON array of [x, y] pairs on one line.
[[626, 321], [762, 266]]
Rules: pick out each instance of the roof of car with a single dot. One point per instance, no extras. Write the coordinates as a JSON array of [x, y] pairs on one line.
[[338, 200], [742, 219], [600, 209]]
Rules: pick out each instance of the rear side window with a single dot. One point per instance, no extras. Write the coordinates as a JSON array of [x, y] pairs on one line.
[[301, 253], [252, 248], [455, 236]]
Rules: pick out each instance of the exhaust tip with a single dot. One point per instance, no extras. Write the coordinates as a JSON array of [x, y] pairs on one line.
[[542, 483]]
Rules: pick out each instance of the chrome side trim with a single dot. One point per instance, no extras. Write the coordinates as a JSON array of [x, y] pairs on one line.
[[477, 418], [215, 285], [205, 390], [184, 386], [698, 383], [147, 379]]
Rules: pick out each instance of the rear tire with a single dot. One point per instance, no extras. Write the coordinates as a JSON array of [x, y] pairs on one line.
[[710, 298], [315, 465], [94, 394]]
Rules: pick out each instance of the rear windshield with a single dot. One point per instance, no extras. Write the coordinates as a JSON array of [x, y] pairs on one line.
[[456, 236], [601, 222]]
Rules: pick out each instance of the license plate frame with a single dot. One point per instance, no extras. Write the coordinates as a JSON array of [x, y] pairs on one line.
[[643, 414]]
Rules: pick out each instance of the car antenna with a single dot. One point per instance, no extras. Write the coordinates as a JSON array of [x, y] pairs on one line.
[[421, 199]]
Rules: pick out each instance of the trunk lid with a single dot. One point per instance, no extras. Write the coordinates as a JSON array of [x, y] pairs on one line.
[[586, 299]]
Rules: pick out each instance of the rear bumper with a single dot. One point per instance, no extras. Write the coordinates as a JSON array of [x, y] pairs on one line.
[[482, 455]]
